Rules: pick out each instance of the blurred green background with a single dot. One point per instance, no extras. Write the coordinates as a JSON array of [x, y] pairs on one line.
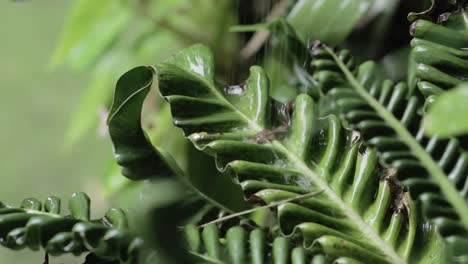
[[35, 106]]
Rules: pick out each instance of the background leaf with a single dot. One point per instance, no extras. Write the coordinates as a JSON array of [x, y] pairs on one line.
[[448, 116], [84, 19], [324, 20]]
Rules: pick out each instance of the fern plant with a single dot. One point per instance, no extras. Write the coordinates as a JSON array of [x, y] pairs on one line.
[[274, 155], [387, 117], [268, 148], [337, 169]]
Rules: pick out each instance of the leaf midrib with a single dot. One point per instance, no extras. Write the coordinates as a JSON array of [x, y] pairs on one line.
[[366, 229], [221, 97], [130, 97], [436, 173]]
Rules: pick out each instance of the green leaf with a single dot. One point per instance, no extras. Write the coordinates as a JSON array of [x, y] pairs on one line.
[[245, 246], [388, 118], [447, 117], [195, 68], [140, 160], [108, 237], [324, 20], [132, 149], [439, 54], [274, 156]]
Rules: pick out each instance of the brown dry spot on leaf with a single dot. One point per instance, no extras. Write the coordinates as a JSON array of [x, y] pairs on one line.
[[400, 197]]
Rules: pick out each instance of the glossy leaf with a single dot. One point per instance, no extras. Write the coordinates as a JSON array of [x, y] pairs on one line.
[[132, 149], [274, 156], [440, 54], [107, 238], [448, 116], [140, 160]]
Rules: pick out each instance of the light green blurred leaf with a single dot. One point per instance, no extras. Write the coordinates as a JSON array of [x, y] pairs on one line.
[[96, 97], [330, 21], [91, 27], [448, 116], [99, 39], [163, 8], [157, 46]]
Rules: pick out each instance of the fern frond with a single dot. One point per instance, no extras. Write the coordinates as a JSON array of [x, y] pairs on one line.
[[388, 117], [440, 54], [240, 245], [35, 225], [251, 139]]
